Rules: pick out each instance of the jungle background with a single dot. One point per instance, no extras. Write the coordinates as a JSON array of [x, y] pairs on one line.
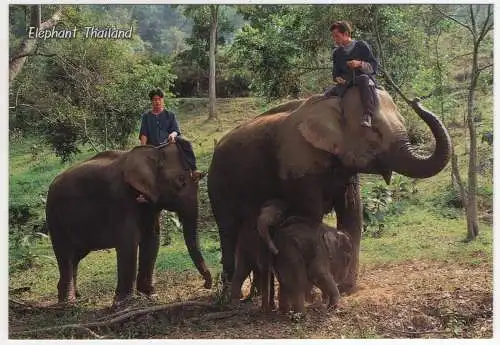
[[426, 253]]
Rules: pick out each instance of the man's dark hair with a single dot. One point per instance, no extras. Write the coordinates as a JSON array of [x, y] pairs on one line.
[[342, 26], [156, 92]]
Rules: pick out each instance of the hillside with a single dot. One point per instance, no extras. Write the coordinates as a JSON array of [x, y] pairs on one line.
[[418, 278]]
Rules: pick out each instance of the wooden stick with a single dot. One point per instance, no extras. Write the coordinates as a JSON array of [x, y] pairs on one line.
[[114, 318]]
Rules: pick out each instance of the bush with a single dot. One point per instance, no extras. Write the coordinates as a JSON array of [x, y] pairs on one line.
[[381, 201], [448, 202]]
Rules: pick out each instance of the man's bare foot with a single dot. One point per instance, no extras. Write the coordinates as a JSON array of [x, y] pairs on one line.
[[197, 175]]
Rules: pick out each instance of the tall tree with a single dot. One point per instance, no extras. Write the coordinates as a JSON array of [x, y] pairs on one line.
[[212, 97], [28, 46], [477, 20], [210, 24]]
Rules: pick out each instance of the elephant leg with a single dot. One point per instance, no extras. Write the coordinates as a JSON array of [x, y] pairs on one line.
[[243, 269], [265, 282], [328, 287], [148, 252], [308, 293], [65, 286], [64, 256], [298, 301], [349, 219], [283, 299], [127, 267], [77, 257], [228, 236]]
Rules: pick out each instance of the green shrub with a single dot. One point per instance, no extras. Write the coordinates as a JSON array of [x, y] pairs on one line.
[[381, 201]]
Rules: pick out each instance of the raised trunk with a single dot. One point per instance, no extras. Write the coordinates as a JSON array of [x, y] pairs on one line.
[[403, 159], [189, 219]]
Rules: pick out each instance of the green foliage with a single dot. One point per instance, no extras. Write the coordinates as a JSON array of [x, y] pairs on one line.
[[25, 228], [448, 203], [287, 48], [92, 92], [191, 64], [169, 223], [381, 201], [63, 137]]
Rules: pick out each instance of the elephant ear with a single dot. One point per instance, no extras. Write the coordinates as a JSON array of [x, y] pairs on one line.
[[333, 125], [331, 243], [140, 167], [319, 123], [344, 245]]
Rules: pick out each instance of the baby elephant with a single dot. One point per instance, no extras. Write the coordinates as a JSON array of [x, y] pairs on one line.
[[253, 255], [309, 254]]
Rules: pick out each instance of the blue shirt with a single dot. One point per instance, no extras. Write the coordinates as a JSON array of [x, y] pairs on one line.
[[158, 127], [358, 50]]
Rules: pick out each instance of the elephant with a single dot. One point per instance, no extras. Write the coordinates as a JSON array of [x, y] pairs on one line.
[[250, 256], [309, 154], [309, 254], [93, 206]]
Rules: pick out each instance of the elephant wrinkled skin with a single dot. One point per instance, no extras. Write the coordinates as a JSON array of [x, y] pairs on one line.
[[93, 206], [308, 154], [309, 254]]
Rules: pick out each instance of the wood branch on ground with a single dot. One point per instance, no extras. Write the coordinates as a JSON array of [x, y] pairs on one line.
[[120, 316]]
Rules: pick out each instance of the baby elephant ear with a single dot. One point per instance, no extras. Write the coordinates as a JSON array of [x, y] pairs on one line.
[[331, 243], [140, 169]]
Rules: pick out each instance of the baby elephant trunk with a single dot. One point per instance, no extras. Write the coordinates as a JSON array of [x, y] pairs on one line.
[[271, 214]]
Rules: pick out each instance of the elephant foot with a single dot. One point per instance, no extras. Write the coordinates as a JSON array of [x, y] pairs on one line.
[[122, 301], [208, 280], [70, 300], [146, 289], [149, 296], [348, 288], [297, 316], [235, 302], [63, 305]]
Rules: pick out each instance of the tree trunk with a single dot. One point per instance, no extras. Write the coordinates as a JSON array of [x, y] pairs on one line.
[[28, 45], [213, 41], [471, 210]]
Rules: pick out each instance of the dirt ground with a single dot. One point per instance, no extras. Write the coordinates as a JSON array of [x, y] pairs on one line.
[[406, 300]]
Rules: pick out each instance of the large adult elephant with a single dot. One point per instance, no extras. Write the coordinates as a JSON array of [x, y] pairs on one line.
[[308, 153], [93, 206]]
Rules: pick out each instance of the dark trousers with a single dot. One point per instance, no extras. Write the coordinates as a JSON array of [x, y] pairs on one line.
[[367, 92], [186, 150]]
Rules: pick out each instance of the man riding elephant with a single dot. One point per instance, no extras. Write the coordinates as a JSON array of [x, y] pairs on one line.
[[353, 64]]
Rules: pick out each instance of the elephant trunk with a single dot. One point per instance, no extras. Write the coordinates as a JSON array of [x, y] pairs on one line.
[[189, 219], [403, 159]]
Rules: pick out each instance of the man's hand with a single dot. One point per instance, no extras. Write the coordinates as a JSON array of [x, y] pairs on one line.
[[339, 80], [172, 136], [353, 64]]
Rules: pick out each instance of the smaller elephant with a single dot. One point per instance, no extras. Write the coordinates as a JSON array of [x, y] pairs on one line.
[[309, 254], [253, 255], [93, 205]]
